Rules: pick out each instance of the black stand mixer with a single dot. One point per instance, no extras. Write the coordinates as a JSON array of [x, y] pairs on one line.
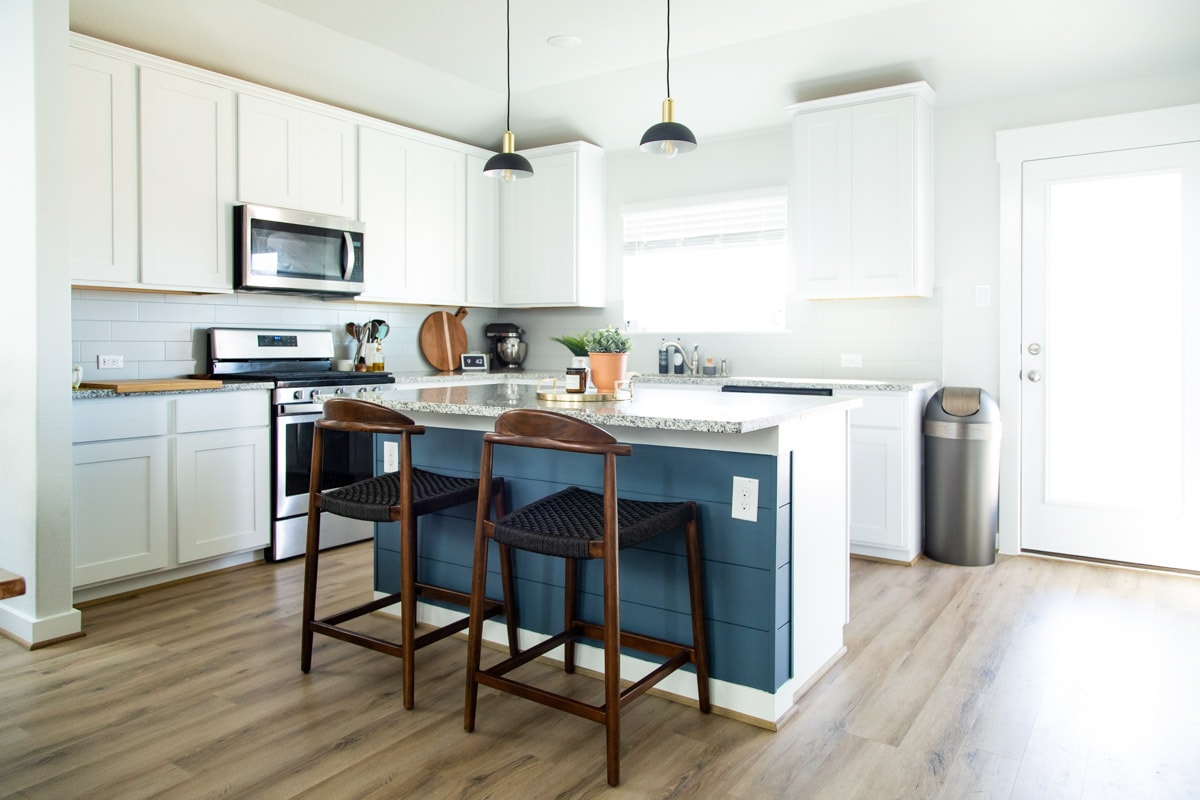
[[508, 351]]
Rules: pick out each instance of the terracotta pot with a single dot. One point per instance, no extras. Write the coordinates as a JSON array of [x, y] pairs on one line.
[[607, 369]]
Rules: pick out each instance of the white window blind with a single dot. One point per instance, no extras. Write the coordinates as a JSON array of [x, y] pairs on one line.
[[718, 265]]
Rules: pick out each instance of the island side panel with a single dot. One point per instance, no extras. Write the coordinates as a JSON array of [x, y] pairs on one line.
[[746, 564]]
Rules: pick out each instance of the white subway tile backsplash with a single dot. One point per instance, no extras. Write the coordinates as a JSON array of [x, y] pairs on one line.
[[248, 315], [95, 330], [309, 317], [107, 309], [175, 312], [152, 331], [132, 351], [183, 351], [166, 369], [201, 299]]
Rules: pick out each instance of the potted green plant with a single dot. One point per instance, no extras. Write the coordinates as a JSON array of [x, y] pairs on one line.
[[608, 356]]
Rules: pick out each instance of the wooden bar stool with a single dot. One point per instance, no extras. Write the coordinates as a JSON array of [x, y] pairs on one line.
[[392, 497], [576, 524]]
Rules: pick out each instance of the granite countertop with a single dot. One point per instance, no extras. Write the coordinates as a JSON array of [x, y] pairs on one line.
[[232, 386], [650, 407], [647, 378]]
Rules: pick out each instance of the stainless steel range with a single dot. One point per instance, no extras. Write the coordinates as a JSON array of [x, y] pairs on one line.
[[299, 363]]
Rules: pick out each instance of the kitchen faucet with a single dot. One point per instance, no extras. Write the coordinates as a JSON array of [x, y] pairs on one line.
[[693, 366]]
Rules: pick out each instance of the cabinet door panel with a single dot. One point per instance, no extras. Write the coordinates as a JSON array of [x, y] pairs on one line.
[[538, 221], [435, 253], [482, 234], [822, 212], [187, 182], [119, 509], [883, 197], [103, 144], [328, 166], [875, 486], [382, 202], [268, 144], [222, 485]]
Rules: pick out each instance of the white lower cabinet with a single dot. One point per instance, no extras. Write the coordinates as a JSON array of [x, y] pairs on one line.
[[119, 509], [886, 510], [164, 482]]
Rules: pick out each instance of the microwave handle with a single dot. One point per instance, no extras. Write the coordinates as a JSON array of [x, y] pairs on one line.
[[348, 259]]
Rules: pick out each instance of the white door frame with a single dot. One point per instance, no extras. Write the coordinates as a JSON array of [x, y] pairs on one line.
[[1013, 148]]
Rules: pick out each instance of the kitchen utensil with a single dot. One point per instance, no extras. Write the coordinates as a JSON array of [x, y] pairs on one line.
[[443, 339], [381, 329]]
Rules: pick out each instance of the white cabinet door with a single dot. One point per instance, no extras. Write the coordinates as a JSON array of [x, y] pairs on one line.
[[292, 158], [862, 194], [875, 483], [268, 152], [222, 492], [119, 523], [187, 182], [412, 199], [103, 151], [328, 166], [538, 234], [552, 244], [483, 235]]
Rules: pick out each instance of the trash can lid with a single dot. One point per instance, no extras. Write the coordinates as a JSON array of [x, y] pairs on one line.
[[960, 401]]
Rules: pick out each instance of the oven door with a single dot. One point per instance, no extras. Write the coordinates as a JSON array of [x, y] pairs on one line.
[[348, 457]]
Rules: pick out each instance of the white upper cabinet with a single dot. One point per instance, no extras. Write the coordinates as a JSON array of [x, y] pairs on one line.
[[412, 200], [483, 234], [862, 202], [187, 182], [295, 158], [552, 230], [103, 152]]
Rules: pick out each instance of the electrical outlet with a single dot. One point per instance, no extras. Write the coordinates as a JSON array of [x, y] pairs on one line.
[[983, 296], [745, 498], [110, 362], [391, 456], [851, 359]]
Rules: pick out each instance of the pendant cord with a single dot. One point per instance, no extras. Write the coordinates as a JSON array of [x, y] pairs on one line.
[[508, 65], [668, 48]]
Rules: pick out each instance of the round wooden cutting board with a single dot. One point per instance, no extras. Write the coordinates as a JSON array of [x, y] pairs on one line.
[[444, 339]]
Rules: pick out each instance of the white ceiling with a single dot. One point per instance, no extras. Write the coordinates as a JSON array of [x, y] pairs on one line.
[[439, 65]]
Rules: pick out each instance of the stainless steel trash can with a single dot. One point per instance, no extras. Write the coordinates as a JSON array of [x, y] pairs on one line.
[[962, 476]]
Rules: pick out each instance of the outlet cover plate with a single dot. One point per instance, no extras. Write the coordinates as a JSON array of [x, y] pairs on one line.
[[110, 362], [851, 359], [745, 498], [391, 456]]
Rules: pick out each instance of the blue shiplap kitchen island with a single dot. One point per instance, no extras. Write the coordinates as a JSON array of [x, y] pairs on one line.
[[776, 588]]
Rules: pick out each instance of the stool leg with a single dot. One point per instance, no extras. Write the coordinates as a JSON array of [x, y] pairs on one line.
[[507, 582], [310, 587], [475, 629], [695, 590], [408, 603], [570, 593], [612, 667]]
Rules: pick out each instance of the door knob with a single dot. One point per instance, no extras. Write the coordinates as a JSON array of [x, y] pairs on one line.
[[1034, 375]]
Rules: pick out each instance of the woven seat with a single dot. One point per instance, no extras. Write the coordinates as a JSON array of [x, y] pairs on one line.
[[576, 524], [392, 497]]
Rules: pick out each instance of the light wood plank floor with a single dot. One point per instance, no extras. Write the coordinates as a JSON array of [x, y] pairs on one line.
[[1029, 679]]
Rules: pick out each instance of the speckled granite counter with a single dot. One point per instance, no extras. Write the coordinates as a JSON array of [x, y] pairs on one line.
[[698, 381], [650, 407], [232, 386]]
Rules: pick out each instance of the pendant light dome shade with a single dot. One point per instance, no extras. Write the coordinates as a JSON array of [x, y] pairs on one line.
[[668, 138], [508, 165]]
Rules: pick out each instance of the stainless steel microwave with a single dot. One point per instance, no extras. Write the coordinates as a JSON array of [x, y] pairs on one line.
[[294, 252]]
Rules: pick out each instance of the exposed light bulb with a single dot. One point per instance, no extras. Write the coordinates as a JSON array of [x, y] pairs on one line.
[[668, 149], [508, 176]]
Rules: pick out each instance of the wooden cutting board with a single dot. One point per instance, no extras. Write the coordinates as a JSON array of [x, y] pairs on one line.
[[444, 339], [152, 384]]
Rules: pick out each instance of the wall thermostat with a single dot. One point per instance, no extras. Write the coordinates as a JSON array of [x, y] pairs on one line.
[[474, 361]]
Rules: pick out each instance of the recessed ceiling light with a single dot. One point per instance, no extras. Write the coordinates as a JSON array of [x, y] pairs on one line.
[[568, 42]]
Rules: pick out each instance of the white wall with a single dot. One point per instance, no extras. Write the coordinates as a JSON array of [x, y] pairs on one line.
[[35, 473]]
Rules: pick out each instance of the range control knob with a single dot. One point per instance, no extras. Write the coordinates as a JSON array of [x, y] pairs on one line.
[[339, 390], [298, 394]]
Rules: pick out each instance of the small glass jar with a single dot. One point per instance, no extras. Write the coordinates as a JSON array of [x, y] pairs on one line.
[[577, 378]]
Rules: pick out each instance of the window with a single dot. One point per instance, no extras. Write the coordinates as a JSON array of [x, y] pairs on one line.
[[712, 265]]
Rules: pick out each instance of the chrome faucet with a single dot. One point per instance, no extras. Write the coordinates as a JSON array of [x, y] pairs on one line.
[[693, 366]]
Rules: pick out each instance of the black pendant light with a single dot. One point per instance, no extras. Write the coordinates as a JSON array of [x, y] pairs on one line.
[[668, 138], [508, 165]]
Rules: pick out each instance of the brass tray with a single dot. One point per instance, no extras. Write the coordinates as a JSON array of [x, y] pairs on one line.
[[549, 390]]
